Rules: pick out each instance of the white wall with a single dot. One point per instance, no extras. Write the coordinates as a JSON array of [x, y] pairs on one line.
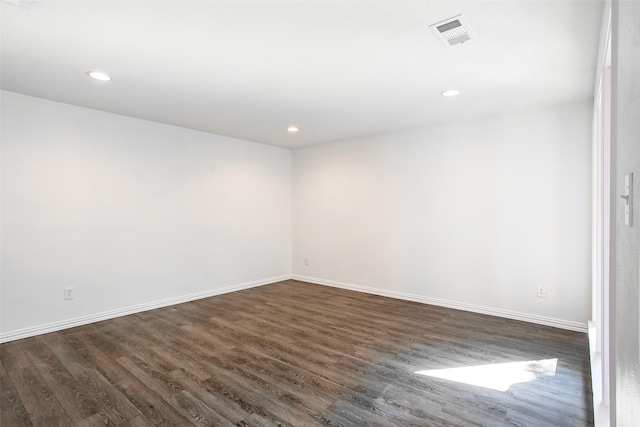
[[478, 213], [130, 212]]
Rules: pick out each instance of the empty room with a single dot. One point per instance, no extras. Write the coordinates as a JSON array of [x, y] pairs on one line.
[[306, 213]]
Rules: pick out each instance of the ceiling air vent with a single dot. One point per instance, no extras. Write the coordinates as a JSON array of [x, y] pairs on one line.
[[453, 31]]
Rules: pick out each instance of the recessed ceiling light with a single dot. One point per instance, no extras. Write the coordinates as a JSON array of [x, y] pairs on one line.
[[450, 92], [99, 75], [292, 129]]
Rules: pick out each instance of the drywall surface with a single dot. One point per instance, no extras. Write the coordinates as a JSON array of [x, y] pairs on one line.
[[478, 213], [626, 157], [129, 212]]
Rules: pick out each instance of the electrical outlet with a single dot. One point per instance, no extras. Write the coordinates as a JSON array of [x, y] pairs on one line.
[[306, 261], [542, 292], [68, 292]]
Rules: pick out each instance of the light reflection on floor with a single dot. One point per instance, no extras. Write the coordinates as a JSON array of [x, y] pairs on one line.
[[497, 376]]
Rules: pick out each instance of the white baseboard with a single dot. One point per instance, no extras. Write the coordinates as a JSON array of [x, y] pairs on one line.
[[79, 321], [84, 320], [540, 320]]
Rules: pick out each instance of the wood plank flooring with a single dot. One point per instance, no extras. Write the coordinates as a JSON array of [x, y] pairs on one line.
[[293, 354]]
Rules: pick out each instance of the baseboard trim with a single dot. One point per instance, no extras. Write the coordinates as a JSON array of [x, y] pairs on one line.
[[84, 320], [540, 320]]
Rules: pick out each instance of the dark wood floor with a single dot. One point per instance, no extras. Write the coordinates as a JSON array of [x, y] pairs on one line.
[[291, 354]]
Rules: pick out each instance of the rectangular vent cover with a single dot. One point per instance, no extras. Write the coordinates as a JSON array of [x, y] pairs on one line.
[[452, 31]]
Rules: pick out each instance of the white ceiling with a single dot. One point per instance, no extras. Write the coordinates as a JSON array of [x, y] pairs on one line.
[[336, 69]]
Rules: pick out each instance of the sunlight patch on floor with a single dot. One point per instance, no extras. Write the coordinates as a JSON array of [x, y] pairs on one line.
[[497, 376]]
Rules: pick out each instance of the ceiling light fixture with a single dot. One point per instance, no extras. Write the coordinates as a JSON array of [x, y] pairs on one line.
[[450, 92], [99, 75], [292, 129]]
